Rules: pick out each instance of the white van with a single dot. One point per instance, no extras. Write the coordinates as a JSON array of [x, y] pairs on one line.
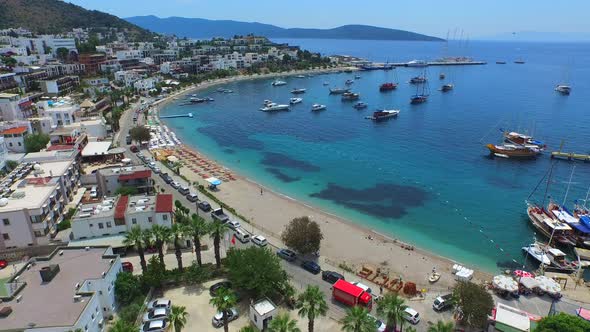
[[183, 190], [93, 192], [242, 236]]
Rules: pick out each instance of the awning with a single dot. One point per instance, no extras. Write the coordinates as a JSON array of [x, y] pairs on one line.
[[584, 313], [213, 181], [96, 149], [548, 285], [505, 283], [528, 282]]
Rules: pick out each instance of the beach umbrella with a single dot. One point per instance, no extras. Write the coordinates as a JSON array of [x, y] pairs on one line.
[[528, 282], [505, 283], [214, 181], [521, 273], [548, 285], [584, 313]]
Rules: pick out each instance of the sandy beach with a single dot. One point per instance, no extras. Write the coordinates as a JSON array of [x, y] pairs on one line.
[[345, 242]]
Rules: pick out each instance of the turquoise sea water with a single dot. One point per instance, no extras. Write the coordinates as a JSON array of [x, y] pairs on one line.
[[424, 177]]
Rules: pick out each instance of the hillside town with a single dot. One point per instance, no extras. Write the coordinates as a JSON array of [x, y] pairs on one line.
[[110, 223]]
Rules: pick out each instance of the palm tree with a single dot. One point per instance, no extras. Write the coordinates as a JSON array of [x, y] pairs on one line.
[[357, 319], [392, 307], [283, 323], [122, 326], [216, 231], [198, 229], [311, 304], [136, 238], [161, 235], [178, 231], [177, 317], [441, 327], [248, 328], [224, 300]]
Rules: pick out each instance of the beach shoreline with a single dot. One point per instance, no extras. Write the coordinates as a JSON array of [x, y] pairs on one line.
[[271, 210]]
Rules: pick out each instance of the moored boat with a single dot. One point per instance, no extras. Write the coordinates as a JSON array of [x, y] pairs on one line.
[[418, 80], [357, 77], [348, 96], [418, 99], [300, 76], [500, 62], [269, 106], [338, 91], [383, 115], [387, 86], [524, 140], [513, 151], [294, 101], [318, 107], [417, 63], [447, 87], [298, 91], [535, 250], [349, 82], [563, 89], [550, 227], [278, 83], [360, 105], [441, 76], [519, 62]]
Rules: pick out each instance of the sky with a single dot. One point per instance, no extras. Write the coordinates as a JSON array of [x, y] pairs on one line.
[[478, 18]]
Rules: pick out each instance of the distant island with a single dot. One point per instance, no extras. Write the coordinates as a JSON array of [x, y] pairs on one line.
[[203, 28]]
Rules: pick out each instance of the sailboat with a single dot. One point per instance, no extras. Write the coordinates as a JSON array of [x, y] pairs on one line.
[[445, 50], [389, 86], [421, 96], [564, 88]]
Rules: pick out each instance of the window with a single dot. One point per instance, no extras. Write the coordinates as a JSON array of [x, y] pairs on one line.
[[19, 144], [10, 144], [165, 217], [133, 221], [6, 236], [100, 225], [39, 233], [109, 224], [6, 221], [150, 219], [99, 293]]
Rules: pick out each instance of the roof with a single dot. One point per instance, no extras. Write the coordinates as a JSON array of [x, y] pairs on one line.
[[15, 130], [87, 104], [512, 317], [96, 149], [76, 266], [142, 174], [59, 147], [164, 203], [347, 287], [121, 207]]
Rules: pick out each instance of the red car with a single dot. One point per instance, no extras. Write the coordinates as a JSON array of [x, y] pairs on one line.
[[127, 267], [3, 263]]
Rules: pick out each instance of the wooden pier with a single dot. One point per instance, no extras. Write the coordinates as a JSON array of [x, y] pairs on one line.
[[570, 156]]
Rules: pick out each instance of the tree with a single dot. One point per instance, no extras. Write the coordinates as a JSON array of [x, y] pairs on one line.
[[154, 274], [283, 323], [62, 53], [140, 133], [10, 165], [36, 142], [178, 231], [257, 271], [9, 61], [198, 229], [441, 327], [136, 238], [126, 289], [161, 235], [474, 302], [311, 304], [392, 307], [177, 317], [224, 300], [116, 114], [357, 319], [216, 231], [123, 326], [248, 328], [302, 235], [126, 191], [563, 322]]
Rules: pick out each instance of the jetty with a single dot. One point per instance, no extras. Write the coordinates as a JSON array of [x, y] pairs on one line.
[[570, 156], [390, 65], [188, 115]]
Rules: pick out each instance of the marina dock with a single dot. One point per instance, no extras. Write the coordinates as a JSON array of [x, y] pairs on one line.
[[444, 63], [570, 156], [188, 115]]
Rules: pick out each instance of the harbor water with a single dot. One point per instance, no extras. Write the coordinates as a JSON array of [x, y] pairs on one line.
[[425, 176]]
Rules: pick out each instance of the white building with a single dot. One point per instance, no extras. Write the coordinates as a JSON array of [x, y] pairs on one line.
[[3, 152], [145, 85], [129, 55], [62, 111], [14, 107], [79, 281], [118, 215], [95, 128], [129, 76], [15, 138], [262, 312]]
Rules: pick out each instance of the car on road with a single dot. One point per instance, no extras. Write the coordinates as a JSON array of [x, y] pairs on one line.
[[331, 276], [184, 190], [259, 240], [3, 263], [127, 267], [154, 326], [379, 325], [231, 314], [205, 206], [215, 287], [311, 266], [167, 179], [192, 197], [157, 170], [233, 224], [128, 139], [287, 254], [152, 165], [175, 184], [156, 314], [159, 303], [411, 315]]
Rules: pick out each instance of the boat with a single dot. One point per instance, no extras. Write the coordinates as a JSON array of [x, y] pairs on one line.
[[269, 106], [550, 227], [580, 225], [338, 91], [441, 76], [563, 89], [357, 77], [420, 96], [318, 107], [513, 151], [500, 62], [418, 80], [535, 250], [559, 260], [417, 63], [434, 277], [519, 62], [360, 105], [278, 83], [383, 115], [294, 101], [418, 99], [326, 83], [447, 87], [196, 100], [387, 86], [298, 91], [300, 76], [347, 96], [349, 82], [524, 140]]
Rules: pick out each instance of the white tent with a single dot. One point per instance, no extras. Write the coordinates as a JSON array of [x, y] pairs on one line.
[[548, 285], [505, 283], [528, 282]]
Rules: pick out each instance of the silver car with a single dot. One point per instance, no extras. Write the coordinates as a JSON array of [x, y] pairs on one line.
[[159, 303], [217, 320], [154, 326], [155, 314]]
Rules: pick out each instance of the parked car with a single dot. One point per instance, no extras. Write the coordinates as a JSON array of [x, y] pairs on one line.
[[157, 170], [311, 266], [167, 179], [234, 224], [331, 276], [443, 302], [175, 184], [155, 314], [184, 190], [205, 206], [3, 263], [159, 303], [411, 315], [242, 235], [154, 326], [163, 174], [287, 254], [259, 240], [222, 284], [152, 165], [217, 321], [128, 139], [380, 326], [192, 197], [127, 267]]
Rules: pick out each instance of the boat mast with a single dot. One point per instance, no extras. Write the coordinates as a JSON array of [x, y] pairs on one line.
[[586, 199], [568, 185], [548, 184]]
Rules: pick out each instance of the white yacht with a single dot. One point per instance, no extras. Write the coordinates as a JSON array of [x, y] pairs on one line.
[[278, 83], [271, 107], [563, 89], [294, 101], [536, 251], [417, 63], [318, 107]]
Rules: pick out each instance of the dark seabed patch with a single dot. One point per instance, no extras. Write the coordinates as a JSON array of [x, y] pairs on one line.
[[382, 200], [282, 176], [280, 160], [229, 151], [238, 139]]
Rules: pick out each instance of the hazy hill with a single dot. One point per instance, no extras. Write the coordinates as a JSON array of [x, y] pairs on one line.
[[203, 28], [54, 16]]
